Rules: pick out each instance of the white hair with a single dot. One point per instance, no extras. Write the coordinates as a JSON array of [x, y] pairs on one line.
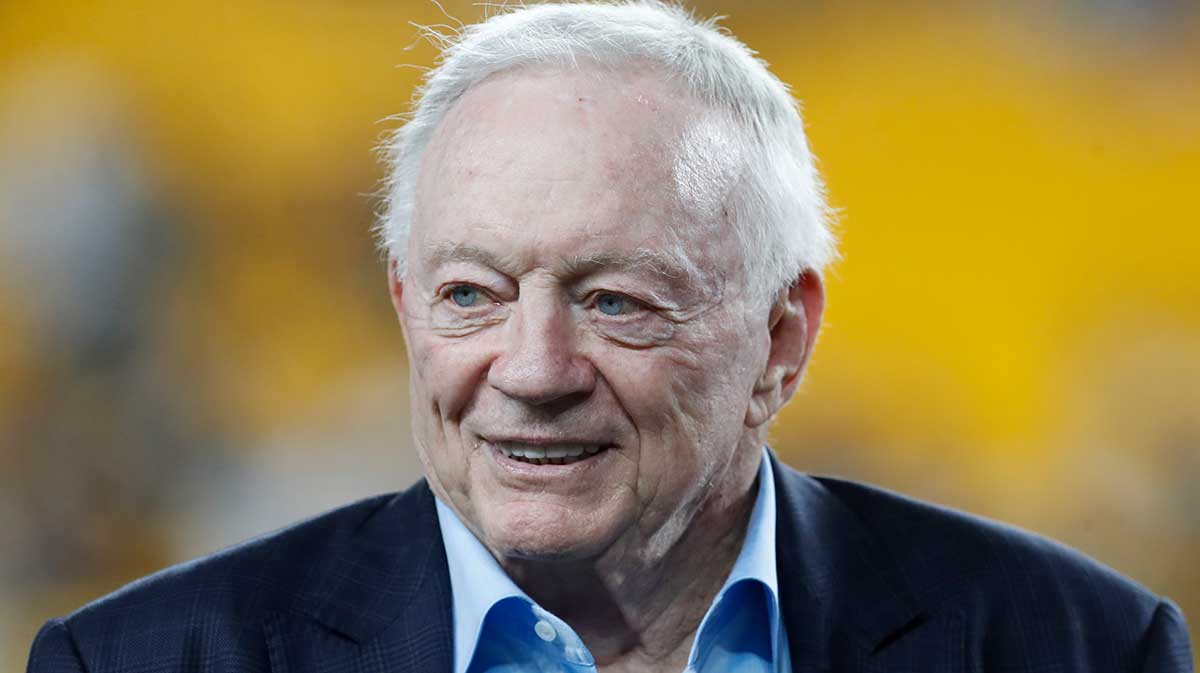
[[777, 206]]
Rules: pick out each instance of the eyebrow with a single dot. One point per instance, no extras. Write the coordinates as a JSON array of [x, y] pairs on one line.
[[672, 266], [438, 253], [660, 262]]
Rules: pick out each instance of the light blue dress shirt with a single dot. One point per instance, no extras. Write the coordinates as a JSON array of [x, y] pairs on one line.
[[499, 629]]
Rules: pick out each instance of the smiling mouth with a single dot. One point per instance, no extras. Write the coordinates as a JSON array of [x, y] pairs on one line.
[[549, 454]]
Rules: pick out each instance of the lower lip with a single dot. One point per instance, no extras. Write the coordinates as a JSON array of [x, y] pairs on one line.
[[524, 470]]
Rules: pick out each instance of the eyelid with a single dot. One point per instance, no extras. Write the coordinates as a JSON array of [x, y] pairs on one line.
[[639, 305], [446, 290]]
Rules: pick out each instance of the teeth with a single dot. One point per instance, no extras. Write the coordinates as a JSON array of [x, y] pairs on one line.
[[559, 454]]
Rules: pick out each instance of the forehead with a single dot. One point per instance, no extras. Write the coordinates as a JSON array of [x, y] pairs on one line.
[[584, 160]]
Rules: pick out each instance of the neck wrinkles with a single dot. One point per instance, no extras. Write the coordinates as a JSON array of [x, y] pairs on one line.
[[628, 608]]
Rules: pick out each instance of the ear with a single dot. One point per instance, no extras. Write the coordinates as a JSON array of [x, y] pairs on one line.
[[395, 288], [793, 324]]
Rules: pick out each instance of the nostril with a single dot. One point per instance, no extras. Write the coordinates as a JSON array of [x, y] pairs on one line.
[[541, 382], [539, 363]]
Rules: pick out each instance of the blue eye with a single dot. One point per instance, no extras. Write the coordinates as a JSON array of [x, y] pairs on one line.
[[614, 304], [464, 295]]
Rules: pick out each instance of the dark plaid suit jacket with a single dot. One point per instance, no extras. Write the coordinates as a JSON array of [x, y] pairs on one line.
[[869, 581]]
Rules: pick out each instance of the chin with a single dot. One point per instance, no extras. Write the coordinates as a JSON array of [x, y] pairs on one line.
[[540, 532]]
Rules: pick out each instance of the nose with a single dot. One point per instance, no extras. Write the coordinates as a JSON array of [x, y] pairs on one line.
[[539, 363]]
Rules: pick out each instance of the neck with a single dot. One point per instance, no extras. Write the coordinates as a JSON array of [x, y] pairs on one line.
[[639, 613]]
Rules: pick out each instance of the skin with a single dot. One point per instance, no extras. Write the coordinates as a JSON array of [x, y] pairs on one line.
[[579, 217]]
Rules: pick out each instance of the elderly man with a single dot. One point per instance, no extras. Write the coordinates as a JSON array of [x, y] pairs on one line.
[[605, 239]]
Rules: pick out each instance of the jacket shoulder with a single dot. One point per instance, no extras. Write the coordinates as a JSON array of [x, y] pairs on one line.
[[218, 603], [1017, 594]]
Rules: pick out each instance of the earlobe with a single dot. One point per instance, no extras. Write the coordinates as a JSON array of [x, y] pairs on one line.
[[793, 324]]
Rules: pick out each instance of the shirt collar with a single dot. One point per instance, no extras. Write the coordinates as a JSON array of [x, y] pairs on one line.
[[478, 582], [755, 564], [757, 558]]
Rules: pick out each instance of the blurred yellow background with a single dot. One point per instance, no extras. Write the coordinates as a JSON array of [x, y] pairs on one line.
[[196, 344]]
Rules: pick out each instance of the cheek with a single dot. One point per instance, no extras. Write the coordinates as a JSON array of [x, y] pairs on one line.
[[444, 377], [688, 406], [670, 390], [445, 374]]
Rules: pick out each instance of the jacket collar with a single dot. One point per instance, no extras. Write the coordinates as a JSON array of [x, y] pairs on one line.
[[836, 578], [381, 587], [389, 575]]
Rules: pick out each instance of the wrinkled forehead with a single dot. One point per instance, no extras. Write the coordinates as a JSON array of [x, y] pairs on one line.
[[631, 105], [621, 153]]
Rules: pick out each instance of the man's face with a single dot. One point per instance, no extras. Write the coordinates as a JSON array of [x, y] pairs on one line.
[[581, 345]]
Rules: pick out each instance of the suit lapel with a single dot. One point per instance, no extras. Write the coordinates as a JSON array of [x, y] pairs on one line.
[[381, 604], [382, 601], [841, 595]]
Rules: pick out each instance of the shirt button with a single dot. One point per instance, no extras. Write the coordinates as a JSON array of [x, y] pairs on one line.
[[545, 630]]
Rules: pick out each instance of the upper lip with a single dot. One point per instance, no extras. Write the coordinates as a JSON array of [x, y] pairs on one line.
[[543, 441]]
